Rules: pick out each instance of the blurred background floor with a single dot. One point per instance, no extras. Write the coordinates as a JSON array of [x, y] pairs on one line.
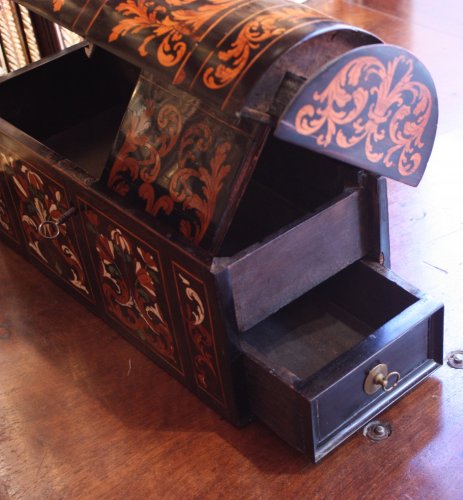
[[84, 415]]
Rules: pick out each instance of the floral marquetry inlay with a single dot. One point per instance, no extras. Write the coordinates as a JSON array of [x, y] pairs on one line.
[[57, 5], [238, 51], [376, 110], [170, 23], [215, 49], [197, 318], [175, 36], [132, 285], [196, 315], [5, 223], [39, 199], [176, 162]]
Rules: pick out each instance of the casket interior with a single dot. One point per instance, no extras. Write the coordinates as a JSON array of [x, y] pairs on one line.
[[303, 218], [288, 185], [72, 103], [77, 105]]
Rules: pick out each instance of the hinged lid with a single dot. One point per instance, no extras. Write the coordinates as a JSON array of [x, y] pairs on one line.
[[374, 107], [219, 75], [213, 49]]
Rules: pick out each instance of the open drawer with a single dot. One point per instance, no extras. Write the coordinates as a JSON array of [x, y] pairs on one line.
[[307, 365]]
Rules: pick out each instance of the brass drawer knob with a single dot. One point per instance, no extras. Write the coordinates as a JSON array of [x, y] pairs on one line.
[[380, 378], [50, 230]]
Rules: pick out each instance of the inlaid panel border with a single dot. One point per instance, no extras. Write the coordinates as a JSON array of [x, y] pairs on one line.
[[200, 339]]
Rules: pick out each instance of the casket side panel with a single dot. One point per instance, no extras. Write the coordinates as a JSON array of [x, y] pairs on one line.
[[161, 297], [39, 192]]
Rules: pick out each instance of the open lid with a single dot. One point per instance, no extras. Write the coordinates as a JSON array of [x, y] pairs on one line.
[[213, 49], [374, 107], [220, 75]]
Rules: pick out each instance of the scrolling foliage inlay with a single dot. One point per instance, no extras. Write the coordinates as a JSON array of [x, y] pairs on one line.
[[5, 223], [196, 315], [131, 282], [57, 5], [213, 48], [177, 27], [176, 162], [41, 200], [169, 22], [237, 52], [371, 103]]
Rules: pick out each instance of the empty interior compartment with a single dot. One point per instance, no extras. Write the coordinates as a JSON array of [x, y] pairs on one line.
[[72, 103], [329, 320], [289, 182]]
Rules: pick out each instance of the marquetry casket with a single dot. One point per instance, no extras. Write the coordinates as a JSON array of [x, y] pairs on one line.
[[209, 177]]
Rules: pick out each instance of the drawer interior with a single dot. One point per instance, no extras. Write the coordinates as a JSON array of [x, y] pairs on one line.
[[328, 321], [72, 103], [306, 335]]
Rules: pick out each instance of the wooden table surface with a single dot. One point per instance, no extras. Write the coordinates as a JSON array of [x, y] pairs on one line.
[[84, 415]]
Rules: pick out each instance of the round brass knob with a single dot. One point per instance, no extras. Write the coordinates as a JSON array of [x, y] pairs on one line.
[[380, 378]]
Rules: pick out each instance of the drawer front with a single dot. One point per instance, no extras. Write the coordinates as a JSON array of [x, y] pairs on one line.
[[410, 354]]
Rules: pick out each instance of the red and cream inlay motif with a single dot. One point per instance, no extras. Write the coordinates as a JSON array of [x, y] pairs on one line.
[[40, 201], [195, 311], [132, 285]]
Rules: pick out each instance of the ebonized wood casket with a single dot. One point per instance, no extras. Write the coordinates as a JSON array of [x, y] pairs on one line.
[[208, 176]]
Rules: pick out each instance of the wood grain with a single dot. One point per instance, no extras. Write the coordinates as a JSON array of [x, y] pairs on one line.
[[257, 294], [85, 415]]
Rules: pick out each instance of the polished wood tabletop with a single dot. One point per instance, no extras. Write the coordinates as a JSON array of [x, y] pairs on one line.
[[85, 415]]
